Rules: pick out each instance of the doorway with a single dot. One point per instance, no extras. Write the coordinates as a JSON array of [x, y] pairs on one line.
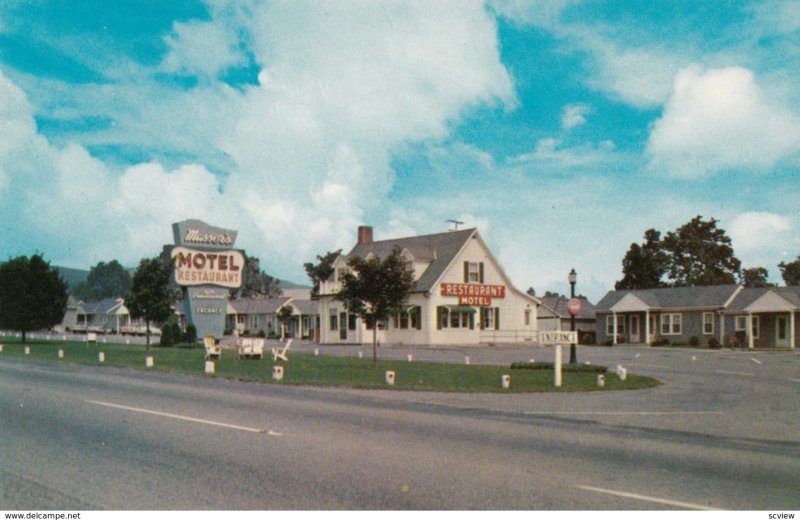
[[633, 329], [782, 332]]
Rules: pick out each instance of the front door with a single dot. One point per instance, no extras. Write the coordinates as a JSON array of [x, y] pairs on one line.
[[782, 332], [343, 326], [633, 327]]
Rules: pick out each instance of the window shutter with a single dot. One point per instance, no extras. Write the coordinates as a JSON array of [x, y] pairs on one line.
[[483, 320], [439, 318], [471, 321], [497, 318], [480, 272], [418, 310], [466, 272]]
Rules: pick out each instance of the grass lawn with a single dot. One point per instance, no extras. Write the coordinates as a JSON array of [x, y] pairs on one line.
[[338, 371]]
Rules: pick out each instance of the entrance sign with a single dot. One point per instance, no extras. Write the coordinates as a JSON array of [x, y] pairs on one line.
[[558, 337], [206, 267]]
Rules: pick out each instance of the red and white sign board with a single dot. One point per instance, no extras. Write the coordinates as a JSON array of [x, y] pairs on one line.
[[479, 295], [574, 306]]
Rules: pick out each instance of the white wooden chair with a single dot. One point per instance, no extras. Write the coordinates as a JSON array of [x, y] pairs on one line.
[[245, 348], [258, 348], [213, 351], [280, 353]]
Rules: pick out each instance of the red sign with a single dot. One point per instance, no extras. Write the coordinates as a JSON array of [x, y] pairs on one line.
[[574, 306], [474, 294]]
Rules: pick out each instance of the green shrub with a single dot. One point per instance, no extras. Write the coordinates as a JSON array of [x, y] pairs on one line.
[[170, 334], [694, 341], [543, 365], [190, 336], [660, 342], [714, 343]]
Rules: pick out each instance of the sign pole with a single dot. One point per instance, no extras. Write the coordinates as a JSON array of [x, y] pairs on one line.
[[557, 367]]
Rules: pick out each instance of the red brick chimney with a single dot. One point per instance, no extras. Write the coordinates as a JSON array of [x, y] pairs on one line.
[[364, 234]]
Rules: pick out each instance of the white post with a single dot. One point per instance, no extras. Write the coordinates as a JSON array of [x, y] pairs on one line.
[[60, 353], [101, 357], [410, 358], [148, 361], [390, 377], [210, 367], [750, 342], [647, 327], [27, 351], [792, 342], [557, 366], [615, 330], [277, 373], [721, 329], [505, 381]]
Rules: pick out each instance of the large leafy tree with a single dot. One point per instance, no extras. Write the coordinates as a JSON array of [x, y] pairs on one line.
[[322, 270], [645, 265], [105, 280], [755, 277], [151, 294], [700, 254], [790, 271], [696, 253], [375, 289], [32, 295], [256, 282]]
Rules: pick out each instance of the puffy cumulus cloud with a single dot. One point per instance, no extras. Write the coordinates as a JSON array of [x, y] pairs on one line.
[[721, 119], [305, 152], [756, 230], [574, 115]]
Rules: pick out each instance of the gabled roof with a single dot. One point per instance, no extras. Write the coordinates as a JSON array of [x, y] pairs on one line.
[[558, 304], [305, 307], [704, 297], [440, 248], [105, 306], [749, 296], [258, 305]]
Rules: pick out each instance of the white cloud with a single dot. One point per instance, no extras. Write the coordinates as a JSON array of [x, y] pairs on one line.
[[550, 153], [306, 152], [721, 119], [574, 115], [755, 230]]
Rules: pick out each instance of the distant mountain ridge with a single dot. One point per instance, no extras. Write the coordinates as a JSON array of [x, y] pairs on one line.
[[75, 276]]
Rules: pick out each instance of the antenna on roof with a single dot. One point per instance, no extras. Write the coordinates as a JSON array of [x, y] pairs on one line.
[[455, 223]]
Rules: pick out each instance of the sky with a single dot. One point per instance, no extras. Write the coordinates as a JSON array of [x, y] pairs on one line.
[[562, 130]]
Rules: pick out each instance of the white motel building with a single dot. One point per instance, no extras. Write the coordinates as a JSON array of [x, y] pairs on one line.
[[461, 295]]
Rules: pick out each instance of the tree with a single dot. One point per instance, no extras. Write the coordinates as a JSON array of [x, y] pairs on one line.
[[790, 272], [105, 280], [322, 270], [644, 266], [697, 253], [32, 295], [151, 295], [376, 289], [256, 282], [755, 277], [284, 317], [531, 291], [700, 254]]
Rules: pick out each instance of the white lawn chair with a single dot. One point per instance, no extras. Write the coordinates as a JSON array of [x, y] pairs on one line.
[[258, 348], [280, 353], [245, 348], [213, 351]]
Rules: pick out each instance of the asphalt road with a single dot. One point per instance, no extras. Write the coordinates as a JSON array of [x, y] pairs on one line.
[[721, 432]]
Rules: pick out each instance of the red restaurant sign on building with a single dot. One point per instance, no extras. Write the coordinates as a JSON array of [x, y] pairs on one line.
[[479, 295]]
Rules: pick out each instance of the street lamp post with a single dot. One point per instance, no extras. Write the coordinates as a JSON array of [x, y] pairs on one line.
[[573, 355]]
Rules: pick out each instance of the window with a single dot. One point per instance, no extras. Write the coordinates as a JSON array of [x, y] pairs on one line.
[[741, 323], [671, 324], [610, 325], [252, 321], [340, 273], [416, 315], [473, 273], [708, 323], [755, 327], [527, 316], [334, 319], [455, 319], [487, 318], [240, 319]]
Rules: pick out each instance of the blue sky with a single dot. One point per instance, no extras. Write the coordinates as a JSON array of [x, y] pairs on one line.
[[562, 130]]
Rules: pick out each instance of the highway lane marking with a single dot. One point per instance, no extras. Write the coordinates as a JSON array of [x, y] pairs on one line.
[[686, 505], [182, 417], [624, 413], [754, 360], [734, 373], [795, 380]]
